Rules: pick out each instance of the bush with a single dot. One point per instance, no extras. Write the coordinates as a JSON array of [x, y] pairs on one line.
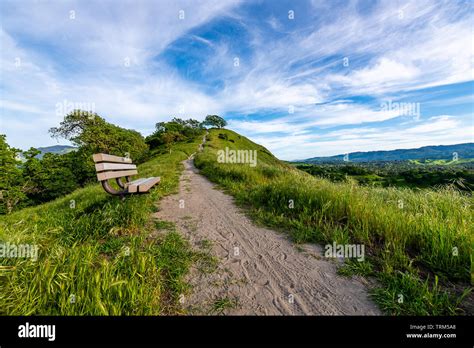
[[93, 134], [50, 177], [12, 189], [177, 130]]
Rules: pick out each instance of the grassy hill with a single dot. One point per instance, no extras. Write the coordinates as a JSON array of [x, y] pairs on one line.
[[95, 253], [418, 244]]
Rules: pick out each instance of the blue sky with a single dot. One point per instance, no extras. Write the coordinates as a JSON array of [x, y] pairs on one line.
[[303, 78]]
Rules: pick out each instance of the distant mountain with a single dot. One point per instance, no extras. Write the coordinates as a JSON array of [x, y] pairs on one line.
[[57, 149], [426, 152]]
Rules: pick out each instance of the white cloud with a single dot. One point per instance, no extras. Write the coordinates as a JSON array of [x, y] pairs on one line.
[[383, 72], [325, 115]]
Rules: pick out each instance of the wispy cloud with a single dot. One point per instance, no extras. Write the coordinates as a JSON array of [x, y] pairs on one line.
[[309, 84]]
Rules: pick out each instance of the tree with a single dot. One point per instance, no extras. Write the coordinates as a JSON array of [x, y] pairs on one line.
[[12, 189], [167, 139], [48, 178], [92, 134], [176, 130], [214, 121]]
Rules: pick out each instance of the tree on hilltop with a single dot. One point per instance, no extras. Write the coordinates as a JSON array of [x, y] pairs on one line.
[[214, 121]]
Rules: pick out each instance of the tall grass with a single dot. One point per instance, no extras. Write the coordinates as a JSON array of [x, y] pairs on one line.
[[412, 238], [95, 254]]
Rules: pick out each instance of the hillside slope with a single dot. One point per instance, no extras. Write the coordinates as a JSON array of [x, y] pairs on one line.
[[439, 152], [417, 244], [57, 149], [95, 255]]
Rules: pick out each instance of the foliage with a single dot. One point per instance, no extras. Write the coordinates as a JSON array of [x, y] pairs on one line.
[[93, 134], [50, 177], [214, 121], [12, 185], [177, 130]]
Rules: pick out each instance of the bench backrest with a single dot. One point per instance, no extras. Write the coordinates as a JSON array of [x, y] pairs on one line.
[[110, 167]]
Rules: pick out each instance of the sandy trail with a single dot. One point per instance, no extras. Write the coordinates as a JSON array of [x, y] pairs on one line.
[[260, 269]]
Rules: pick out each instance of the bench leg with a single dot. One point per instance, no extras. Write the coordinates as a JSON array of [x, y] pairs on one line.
[[111, 190], [120, 183]]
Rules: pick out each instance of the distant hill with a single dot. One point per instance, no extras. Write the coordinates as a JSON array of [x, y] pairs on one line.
[[438, 152], [57, 149]]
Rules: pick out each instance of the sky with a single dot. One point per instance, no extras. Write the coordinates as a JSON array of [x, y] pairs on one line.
[[303, 78]]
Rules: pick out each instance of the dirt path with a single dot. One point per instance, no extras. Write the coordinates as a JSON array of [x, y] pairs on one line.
[[259, 271]]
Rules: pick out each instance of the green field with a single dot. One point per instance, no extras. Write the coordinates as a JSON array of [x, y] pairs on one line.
[[402, 174], [418, 243], [442, 162], [95, 253]]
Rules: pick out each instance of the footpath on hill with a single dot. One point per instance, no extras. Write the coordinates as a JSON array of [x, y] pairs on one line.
[[260, 271]]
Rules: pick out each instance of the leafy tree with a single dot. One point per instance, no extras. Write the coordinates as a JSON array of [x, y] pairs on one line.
[[90, 131], [167, 139], [194, 124], [12, 188], [82, 166], [48, 178], [176, 130], [214, 121], [189, 124]]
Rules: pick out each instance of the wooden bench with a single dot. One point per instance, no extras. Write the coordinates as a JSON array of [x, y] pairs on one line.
[[114, 167]]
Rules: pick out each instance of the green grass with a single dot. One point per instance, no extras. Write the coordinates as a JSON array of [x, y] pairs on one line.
[[220, 305], [353, 267], [95, 254], [406, 294], [429, 236], [442, 162], [206, 262]]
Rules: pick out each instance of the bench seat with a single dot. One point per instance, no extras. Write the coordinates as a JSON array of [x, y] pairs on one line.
[[142, 185], [114, 167]]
